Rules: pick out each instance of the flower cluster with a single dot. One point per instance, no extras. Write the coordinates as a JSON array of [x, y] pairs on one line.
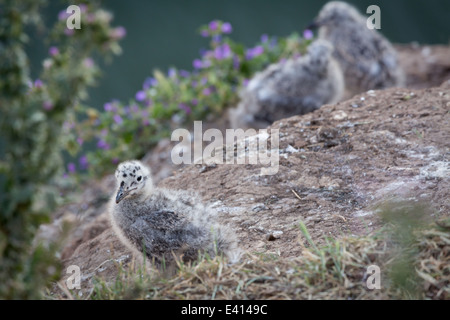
[[96, 25], [178, 97], [215, 29]]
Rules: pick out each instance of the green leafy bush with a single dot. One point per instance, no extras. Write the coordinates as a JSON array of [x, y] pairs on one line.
[[166, 101], [31, 126]]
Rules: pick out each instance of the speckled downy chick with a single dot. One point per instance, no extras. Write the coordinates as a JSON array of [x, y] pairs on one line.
[[367, 58], [163, 223], [287, 88]]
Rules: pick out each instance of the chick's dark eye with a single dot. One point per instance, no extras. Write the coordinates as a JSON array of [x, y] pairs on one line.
[[139, 178]]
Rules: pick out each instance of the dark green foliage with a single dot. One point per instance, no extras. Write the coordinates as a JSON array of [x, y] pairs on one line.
[[31, 122]]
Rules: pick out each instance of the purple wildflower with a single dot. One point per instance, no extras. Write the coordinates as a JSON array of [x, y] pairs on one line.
[[149, 82], [80, 141], [258, 50], [204, 33], [172, 73], [145, 118], [207, 54], [213, 25], [153, 82], [69, 32], [194, 102], [118, 119], [245, 82], [254, 52], [115, 160], [47, 105], [203, 81], [308, 34], [63, 15], [206, 64], [88, 62], [264, 38], [184, 73], [236, 62], [222, 52], [273, 43], [226, 27], [83, 8], [197, 63], [184, 107], [148, 102], [71, 167], [141, 95], [38, 83], [53, 51], [84, 163], [176, 118], [90, 17], [217, 38], [118, 33], [102, 144], [108, 106], [68, 125], [207, 91]]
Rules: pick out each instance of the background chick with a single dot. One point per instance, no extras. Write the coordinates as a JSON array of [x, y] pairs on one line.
[[367, 58], [288, 88]]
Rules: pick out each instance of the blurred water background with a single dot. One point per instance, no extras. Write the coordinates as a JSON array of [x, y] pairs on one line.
[[164, 33]]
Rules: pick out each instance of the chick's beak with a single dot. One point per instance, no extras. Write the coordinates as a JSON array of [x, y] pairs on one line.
[[313, 25], [120, 194]]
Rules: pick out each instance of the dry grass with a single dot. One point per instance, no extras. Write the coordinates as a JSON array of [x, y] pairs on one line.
[[413, 255], [433, 265], [336, 270]]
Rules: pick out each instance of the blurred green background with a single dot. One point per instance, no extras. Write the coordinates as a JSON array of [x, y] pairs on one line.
[[163, 33]]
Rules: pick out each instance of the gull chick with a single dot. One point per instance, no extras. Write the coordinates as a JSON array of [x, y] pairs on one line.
[[368, 60], [165, 223], [287, 88]]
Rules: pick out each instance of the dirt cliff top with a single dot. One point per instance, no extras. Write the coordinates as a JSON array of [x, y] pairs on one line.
[[336, 166]]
